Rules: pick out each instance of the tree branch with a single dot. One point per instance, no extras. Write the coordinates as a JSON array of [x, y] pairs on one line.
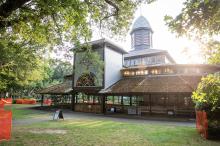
[[9, 6]]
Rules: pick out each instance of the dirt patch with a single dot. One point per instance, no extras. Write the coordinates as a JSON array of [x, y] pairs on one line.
[[49, 131]]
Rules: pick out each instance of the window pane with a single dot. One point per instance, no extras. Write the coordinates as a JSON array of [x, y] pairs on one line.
[[126, 100]]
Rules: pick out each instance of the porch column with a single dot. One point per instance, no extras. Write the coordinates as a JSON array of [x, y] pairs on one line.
[[42, 99], [73, 101], [150, 103], [122, 100], [103, 107]]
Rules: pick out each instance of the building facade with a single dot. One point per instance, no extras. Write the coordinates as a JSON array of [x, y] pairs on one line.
[[142, 81]]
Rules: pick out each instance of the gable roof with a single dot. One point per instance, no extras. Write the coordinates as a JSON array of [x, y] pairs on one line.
[[63, 88], [108, 43], [154, 84]]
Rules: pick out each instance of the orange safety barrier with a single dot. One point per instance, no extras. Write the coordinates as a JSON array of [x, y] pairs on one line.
[[25, 101], [6, 100], [202, 123], [47, 102], [1, 104], [5, 124]]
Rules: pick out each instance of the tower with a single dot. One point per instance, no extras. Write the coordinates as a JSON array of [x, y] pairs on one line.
[[141, 34], [142, 52]]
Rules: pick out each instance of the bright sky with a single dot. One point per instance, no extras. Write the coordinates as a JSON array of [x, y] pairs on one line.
[[181, 49]]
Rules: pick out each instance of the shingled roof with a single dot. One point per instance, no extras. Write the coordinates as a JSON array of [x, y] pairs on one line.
[[63, 88], [154, 84]]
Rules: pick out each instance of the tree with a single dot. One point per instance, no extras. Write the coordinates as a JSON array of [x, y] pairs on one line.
[[55, 21], [212, 51], [200, 17], [39, 25], [60, 69], [17, 65]]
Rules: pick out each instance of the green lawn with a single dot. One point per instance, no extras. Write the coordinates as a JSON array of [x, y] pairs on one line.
[[19, 111], [88, 132]]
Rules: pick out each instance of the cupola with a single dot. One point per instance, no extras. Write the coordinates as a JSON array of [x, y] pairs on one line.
[[141, 34]]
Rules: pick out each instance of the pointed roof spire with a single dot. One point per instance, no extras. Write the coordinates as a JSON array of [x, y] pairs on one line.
[[141, 22]]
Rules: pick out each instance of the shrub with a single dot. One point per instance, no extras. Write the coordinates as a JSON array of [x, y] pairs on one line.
[[207, 98], [207, 95]]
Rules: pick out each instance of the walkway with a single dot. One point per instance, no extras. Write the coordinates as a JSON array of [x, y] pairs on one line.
[[46, 115]]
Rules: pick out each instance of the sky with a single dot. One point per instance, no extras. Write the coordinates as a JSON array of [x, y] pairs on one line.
[[181, 49]]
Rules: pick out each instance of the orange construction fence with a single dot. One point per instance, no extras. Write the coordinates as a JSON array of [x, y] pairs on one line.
[[202, 123], [47, 102], [25, 101], [5, 124], [1, 104], [6, 100]]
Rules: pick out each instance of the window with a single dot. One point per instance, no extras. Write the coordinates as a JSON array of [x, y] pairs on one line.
[[110, 100], [155, 71], [96, 99], [153, 60], [132, 73], [140, 72], [132, 62], [134, 100], [127, 62], [140, 100], [80, 97], [126, 100], [168, 70], [138, 61], [88, 99], [146, 60], [160, 59], [126, 73], [146, 72], [117, 99]]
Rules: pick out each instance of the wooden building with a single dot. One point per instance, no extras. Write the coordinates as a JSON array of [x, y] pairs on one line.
[[142, 81]]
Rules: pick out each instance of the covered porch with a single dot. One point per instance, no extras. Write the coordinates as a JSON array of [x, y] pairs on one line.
[[164, 94]]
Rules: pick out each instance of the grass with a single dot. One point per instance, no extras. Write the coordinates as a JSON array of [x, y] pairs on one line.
[[86, 132], [20, 111]]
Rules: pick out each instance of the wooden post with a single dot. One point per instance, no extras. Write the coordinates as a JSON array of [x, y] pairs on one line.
[[150, 103], [93, 99], [76, 97], [130, 100], [73, 101], [103, 108], [42, 99], [122, 100], [122, 103]]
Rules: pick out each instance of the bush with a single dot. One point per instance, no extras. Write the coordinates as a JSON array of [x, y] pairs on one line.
[[207, 95], [207, 98]]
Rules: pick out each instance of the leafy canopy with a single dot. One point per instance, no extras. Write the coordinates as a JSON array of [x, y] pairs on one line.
[[18, 63], [212, 51], [29, 27], [198, 17], [55, 21]]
